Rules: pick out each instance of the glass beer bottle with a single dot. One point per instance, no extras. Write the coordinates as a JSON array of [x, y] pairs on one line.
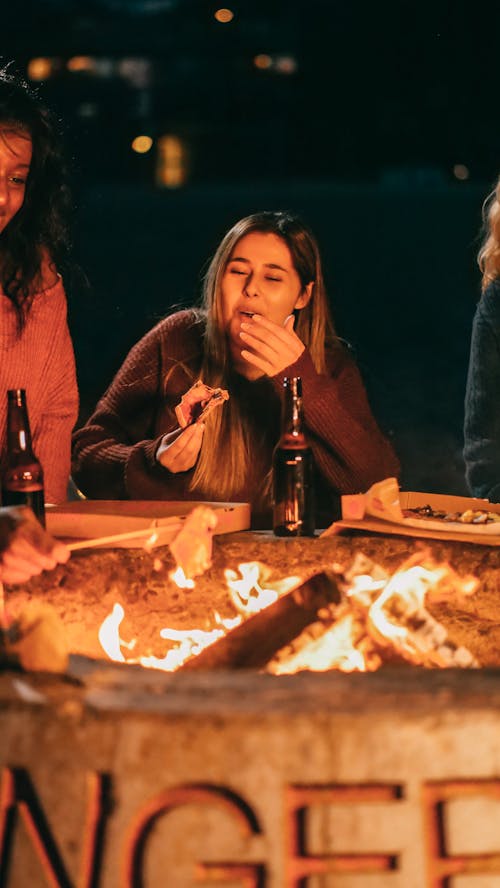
[[22, 481], [293, 469]]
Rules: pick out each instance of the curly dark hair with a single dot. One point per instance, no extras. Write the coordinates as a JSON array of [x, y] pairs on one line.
[[40, 229]]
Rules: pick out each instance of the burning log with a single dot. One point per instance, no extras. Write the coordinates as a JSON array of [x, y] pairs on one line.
[[382, 617], [348, 621], [252, 644]]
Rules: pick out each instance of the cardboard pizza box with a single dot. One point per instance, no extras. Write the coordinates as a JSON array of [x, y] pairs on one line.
[[92, 519], [485, 535]]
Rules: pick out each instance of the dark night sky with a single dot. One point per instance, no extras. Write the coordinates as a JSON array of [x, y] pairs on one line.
[[376, 85]]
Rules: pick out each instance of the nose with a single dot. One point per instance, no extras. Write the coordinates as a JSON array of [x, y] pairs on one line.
[[250, 288]]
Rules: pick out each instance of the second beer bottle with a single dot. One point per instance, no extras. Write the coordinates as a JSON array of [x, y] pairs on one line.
[[293, 469], [22, 480]]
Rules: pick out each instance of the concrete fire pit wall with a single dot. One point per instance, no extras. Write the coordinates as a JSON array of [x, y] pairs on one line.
[[118, 776]]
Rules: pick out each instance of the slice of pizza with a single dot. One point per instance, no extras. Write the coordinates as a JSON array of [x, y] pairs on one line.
[[198, 402]]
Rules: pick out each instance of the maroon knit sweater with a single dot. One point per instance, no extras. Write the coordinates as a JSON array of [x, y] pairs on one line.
[[114, 453]]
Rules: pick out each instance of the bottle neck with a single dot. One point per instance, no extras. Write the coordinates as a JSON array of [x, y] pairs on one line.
[[18, 427], [292, 422]]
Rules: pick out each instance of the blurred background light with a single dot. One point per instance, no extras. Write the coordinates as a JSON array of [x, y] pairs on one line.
[[171, 162], [81, 63], [142, 144], [461, 172], [285, 64], [40, 68], [224, 15], [262, 61]]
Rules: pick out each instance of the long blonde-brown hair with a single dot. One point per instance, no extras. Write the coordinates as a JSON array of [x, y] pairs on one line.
[[230, 439], [489, 255]]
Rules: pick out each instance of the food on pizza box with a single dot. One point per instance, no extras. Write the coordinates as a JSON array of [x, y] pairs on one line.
[[468, 516], [385, 501], [198, 402]]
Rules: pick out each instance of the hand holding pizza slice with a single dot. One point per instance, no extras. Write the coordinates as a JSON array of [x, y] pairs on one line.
[[179, 450]]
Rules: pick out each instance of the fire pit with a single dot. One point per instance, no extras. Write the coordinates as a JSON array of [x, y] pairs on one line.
[[115, 775]]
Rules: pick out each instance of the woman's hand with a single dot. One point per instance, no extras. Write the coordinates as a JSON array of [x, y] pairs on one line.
[[26, 548], [272, 347], [179, 450]]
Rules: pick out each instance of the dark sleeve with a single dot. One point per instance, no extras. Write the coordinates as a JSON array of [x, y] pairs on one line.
[[114, 453], [482, 400], [350, 451]]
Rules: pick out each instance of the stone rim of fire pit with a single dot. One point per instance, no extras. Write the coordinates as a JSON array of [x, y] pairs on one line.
[[100, 686]]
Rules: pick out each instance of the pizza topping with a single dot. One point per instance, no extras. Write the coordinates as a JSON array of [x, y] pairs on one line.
[[470, 516]]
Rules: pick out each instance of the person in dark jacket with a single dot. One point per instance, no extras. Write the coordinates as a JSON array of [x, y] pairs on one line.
[[482, 397]]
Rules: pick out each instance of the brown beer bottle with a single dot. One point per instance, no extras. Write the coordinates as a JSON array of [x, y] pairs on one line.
[[22, 481], [293, 469]]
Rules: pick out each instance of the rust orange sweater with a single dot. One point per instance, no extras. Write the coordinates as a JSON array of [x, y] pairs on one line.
[[41, 360]]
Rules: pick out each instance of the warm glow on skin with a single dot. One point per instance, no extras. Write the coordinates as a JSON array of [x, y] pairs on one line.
[[259, 278], [15, 159]]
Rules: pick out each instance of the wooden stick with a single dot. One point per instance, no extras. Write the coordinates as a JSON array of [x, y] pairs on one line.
[[128, 535]]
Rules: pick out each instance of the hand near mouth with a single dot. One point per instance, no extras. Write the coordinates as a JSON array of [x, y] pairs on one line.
[[272, 347]]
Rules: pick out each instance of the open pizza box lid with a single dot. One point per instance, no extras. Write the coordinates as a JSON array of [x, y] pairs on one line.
[[92, 519], [382, 508]]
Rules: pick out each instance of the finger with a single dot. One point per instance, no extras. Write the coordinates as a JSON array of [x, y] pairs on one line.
[[257, 361], [17, 575], [279, 354], [22, 552], [265, 330], [186, 458], [183, 453], [286, 328], [60, 552]]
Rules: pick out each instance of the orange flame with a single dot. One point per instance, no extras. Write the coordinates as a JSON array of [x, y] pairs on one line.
[[376, 612]]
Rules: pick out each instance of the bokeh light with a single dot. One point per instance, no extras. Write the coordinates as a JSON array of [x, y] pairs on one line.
[[80, 63], [171, 162], [40, 68], [262, 61], [142, 144], [224, 15], [461, 172]]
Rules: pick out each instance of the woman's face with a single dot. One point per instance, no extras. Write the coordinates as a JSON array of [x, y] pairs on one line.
[[259, 278], [15, 160]]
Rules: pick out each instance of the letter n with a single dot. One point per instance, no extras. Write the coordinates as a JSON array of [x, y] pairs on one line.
[[19, 803]]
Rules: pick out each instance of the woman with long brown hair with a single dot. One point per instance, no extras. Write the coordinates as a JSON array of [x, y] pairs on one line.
[[482, 397], [264, 316]]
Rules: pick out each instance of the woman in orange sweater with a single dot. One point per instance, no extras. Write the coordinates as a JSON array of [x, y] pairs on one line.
[[36, 351]]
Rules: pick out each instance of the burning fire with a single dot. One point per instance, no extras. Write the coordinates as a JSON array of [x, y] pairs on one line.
[[379, 617]]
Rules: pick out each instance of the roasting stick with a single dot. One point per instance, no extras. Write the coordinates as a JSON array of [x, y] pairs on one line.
[[152, 532]]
